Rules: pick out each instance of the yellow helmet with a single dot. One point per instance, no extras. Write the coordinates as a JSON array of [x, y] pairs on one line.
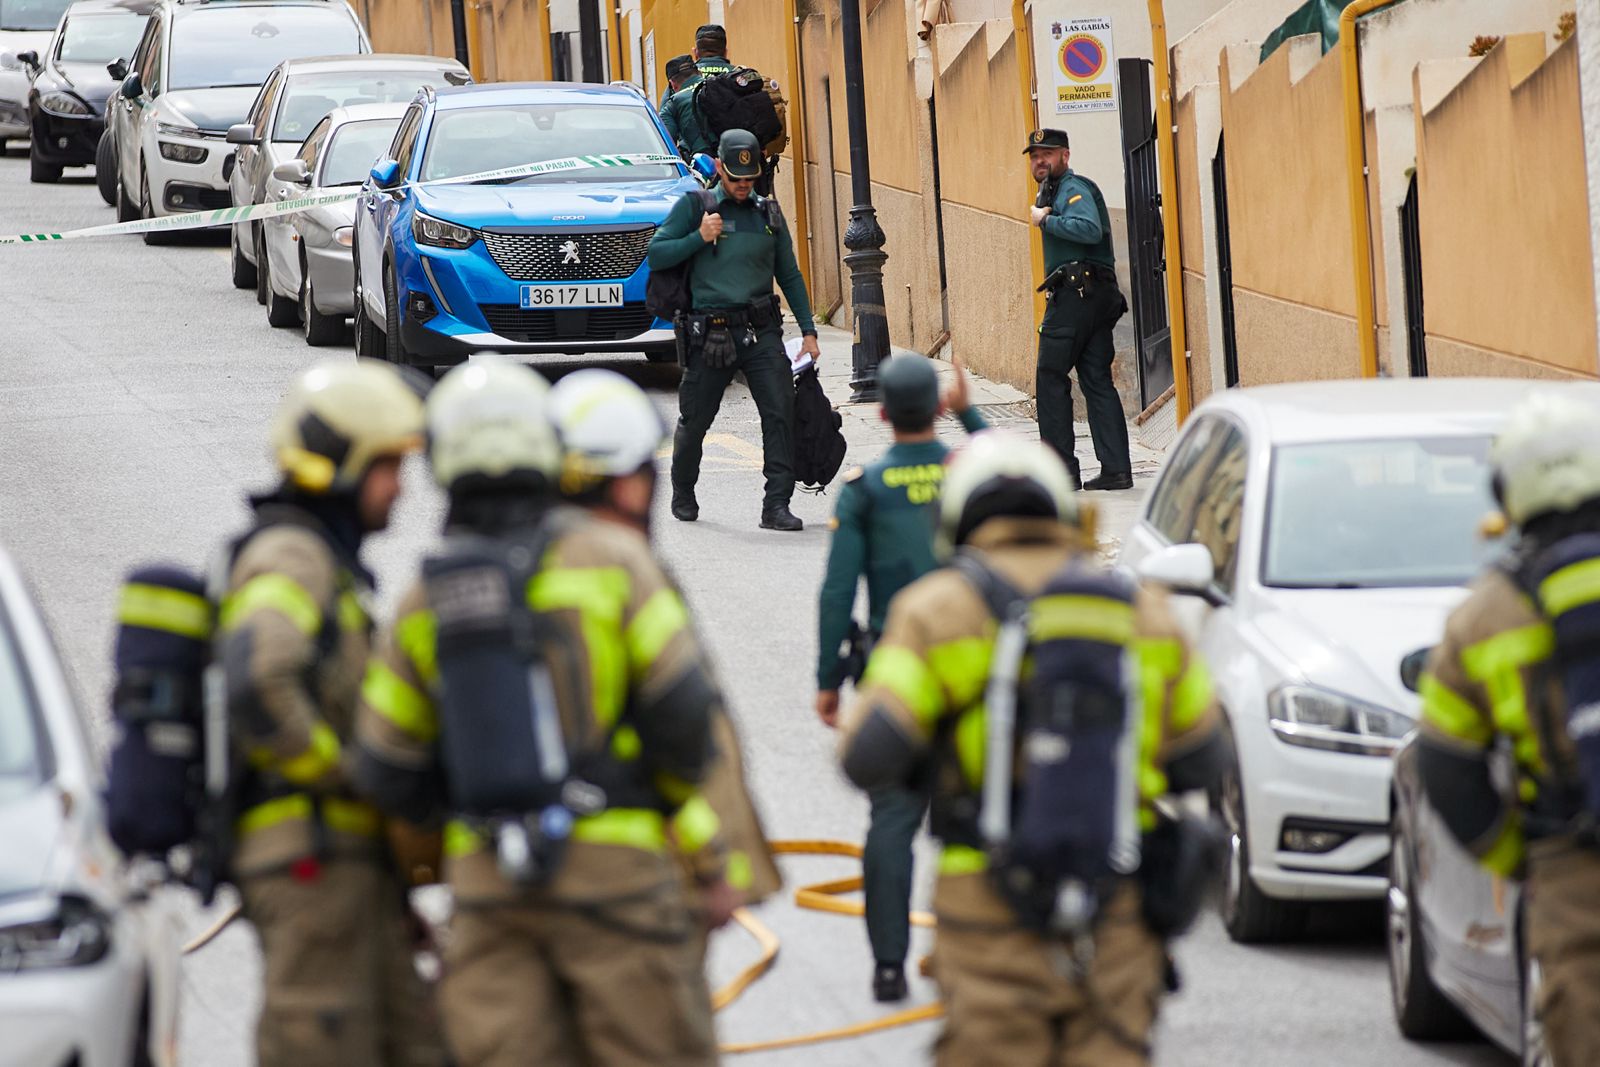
[[340, 416], [491, 417], [1547, 458], [999, 473]]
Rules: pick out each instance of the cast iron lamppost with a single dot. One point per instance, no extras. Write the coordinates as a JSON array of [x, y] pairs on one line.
[[864, 237], [458, 26]]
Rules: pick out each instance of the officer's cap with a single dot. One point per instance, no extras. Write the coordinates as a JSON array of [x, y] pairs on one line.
[[740, 154], [1046, 139], [678, 66], [711, 34], [910, 387]]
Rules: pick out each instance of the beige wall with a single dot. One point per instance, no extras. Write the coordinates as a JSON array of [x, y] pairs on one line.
[[421, 27]]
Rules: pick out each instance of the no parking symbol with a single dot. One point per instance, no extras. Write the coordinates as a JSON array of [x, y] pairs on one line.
[[1085, 68]]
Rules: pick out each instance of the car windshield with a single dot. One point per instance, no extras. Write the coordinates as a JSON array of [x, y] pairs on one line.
[[31, 14], [100, 38], [355, 147], [473, 140], [311, 96], [1375, 514], [20, 765], [239, 46]]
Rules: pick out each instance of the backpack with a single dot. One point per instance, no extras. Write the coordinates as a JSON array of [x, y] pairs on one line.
[[819, 444], [1555, 580], [666, 291], [741, 99]]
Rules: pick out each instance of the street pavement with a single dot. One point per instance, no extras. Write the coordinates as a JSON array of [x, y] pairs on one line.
[[134, 403]]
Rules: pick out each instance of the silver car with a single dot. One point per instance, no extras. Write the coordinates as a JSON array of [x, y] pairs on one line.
[[309, 263], [292, 100], [88, 946]]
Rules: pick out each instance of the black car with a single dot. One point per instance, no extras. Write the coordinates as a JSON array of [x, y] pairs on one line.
[[74, 79]]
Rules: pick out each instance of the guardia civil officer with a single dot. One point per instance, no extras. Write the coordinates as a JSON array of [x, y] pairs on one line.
[[311, 861], [883, 529], [1017, 991], [679, 68], [736, 325], [610, 432], [1517, 673], [710, 54], [543, 692], [1082, 304]]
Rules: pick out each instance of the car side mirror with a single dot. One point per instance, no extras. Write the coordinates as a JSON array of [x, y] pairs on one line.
[[704, 167], [1184, 569], [117, 68], [1411, 667], [132, 86], [292, 171], [29, 58], [243, 133], [385, 173]]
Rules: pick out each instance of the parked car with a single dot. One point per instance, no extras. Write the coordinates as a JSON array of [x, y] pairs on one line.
[[74, 80], [193, 77], [1327, 530], [311, 267], [88, 954], [549, 263], [25, 26], [295, 96]]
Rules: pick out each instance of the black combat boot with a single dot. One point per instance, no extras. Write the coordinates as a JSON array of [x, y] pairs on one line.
[[888, 983], [779, 517], [684, 506], [1110, 482]]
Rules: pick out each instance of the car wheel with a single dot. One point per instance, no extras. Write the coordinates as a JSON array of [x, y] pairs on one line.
[[369, 339], [105, 169], [263, 285], [127, 210], [394, 347], [147, 209], [282, 311], [1535, 1048], [1420, 1010], [244, 272], [320, 329], [41, 172], [664, 354], [1250, 916]]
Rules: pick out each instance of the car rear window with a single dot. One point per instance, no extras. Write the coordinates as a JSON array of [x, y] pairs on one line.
[[100, 38], [311, 96], [356, 147], [219, 46], [472, 140]]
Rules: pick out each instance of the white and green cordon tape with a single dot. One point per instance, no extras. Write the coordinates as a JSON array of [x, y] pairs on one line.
[[227, 216]]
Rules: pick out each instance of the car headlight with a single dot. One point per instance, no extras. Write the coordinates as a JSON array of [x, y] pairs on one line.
[[345, 236], [183, 153], [70, 932], [170, 129], [64, 104], [431, 231], [1320, 718]]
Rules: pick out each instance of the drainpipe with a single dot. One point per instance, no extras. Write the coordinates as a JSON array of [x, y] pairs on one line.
[[458, 29], [474, 39], [1019, 25], [1172, 232], [1355, 154], [542, 35], [797, 142]]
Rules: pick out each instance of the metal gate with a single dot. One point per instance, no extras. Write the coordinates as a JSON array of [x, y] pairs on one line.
[[1219, 193], [1411, 265], [1146, 252]]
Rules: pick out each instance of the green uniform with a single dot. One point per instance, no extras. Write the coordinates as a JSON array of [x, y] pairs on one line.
[[729, 276], [677, 110], [1076, 331]]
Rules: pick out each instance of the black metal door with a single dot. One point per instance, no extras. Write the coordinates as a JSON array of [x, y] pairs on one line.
[[1219, 193], [1411, 264], [1147, 263]]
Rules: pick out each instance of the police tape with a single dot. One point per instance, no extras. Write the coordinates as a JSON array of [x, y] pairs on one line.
[[227, 216]]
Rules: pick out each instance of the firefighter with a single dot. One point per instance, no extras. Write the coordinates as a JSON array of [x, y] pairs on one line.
[[310, 859], [543, 692], [1017, 991], [1513, 681]]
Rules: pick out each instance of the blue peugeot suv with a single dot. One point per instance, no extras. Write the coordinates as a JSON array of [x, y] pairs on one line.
[[552, 262]]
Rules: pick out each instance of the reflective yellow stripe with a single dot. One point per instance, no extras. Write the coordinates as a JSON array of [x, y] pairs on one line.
[[972, 743], [599, 595], [352, 616], [339, 815], [1570, 587], [962, 666], [625, 744], [311, 765], [417, 634], [1509, 650], [398, 701], [630, 827], [158, 608], [1089, 618], [1505, 855], [1452, 713], [961, 859], [1192, 696], [459, 840], [1161, 655], [662, 618], [903, 673], [695, 825], [273, 592], [739, 872]]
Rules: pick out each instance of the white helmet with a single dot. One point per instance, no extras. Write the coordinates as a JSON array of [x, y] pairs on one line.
[[1547, 459], [608, 427], [491, 417], [999, 473], [337, 418]]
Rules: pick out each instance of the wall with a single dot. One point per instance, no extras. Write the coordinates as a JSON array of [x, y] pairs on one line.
[[1589, 73], [421, 27]]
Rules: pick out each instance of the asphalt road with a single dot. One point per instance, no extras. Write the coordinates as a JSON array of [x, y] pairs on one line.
[[134, 399]]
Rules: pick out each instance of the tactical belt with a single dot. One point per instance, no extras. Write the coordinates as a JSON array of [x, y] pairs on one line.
[[757, 315]]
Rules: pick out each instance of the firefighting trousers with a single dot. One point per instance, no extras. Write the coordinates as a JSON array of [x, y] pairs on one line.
[[1564, 937]]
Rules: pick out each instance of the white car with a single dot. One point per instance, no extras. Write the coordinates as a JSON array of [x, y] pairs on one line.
[[1327, 530], [88, 946], [25, 26], [194, 75]]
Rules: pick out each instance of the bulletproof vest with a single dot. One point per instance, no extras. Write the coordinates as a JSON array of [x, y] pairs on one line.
[[1564, 581]]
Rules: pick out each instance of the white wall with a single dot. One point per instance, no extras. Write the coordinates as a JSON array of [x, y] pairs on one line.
[[1589, 75]]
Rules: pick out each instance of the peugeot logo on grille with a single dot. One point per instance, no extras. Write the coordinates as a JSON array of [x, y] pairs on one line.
[[570, 253]]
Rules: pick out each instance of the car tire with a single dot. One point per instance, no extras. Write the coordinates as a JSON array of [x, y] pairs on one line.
[[320, 330], [147, 209], [105, 168], [1420, 1010], [369, 339], [244, 272], [1250, 916], [127, 210], [263, 286], [40, 172], [394, 347], [663, 354]]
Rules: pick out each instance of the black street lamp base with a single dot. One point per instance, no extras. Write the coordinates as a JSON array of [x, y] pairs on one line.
[[865, 240]]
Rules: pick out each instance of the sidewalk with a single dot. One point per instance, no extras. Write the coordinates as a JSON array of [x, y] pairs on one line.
[[1003, 406]]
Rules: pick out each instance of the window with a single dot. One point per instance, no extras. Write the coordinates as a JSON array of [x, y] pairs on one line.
[[263, 105], [150, 69], [312, 146], [355, 147], [1220, 510], [218, 46], [473, 140], [99, 39], [308, 97], [34, 15], [405, 140], [1173, 503]]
